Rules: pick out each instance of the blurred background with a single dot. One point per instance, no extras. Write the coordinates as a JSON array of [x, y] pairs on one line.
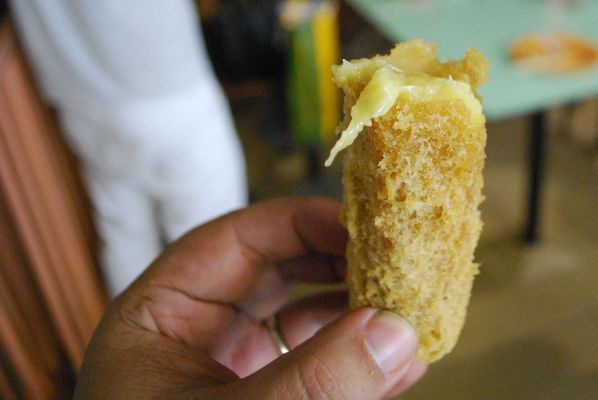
[[532, 327]]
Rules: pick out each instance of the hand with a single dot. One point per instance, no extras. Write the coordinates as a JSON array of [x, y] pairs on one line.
[[192, 326]]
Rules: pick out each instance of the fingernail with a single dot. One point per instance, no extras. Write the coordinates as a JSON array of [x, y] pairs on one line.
[[391, 340]]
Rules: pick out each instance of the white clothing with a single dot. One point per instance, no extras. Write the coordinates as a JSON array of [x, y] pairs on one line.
[[140, 105]]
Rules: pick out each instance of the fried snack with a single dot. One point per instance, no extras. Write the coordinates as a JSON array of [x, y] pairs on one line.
[[412, 186]]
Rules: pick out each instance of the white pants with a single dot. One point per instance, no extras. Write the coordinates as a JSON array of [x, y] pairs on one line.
[[149, 123], [154, 170]]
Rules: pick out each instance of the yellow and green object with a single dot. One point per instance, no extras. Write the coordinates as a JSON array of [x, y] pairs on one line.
[[312, 31]]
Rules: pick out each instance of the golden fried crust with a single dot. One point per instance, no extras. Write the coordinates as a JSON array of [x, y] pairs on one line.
[[412, 187]]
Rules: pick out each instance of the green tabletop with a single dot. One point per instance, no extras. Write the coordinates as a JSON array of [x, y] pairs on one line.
[[490, 26]]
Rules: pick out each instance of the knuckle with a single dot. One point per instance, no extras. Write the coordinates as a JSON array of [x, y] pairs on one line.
[[317, 381]]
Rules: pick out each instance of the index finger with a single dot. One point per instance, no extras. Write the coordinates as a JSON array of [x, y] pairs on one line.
[[221, 260]]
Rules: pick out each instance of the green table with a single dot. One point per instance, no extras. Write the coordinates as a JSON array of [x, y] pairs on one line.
[[490, 26]]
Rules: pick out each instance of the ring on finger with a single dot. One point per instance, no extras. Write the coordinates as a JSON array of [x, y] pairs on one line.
[[272, 326]]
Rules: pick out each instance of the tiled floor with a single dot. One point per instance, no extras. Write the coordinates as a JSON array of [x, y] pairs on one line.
[[532, 329]]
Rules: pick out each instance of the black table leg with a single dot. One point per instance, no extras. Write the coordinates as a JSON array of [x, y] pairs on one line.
[[536, 147]]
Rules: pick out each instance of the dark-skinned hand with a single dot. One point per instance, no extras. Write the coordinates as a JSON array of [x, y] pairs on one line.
[[192, 326]]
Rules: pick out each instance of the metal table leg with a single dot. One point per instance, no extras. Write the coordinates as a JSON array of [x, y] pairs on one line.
[[536, 147]]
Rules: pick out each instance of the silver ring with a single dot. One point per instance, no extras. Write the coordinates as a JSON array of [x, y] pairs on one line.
[[272, 325]]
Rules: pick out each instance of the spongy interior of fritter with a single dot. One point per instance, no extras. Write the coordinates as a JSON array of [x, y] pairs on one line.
[[412, 187]]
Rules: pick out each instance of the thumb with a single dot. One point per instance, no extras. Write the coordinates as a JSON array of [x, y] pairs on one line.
[[360, 356]]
